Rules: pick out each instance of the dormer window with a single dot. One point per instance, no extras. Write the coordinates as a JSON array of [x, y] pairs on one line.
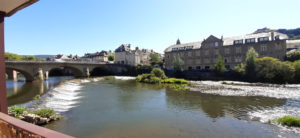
[[277, 37], [238, 42], [216, 44], [181, 48], [263, 39], [189, 47], [174, 49], [251, 40]]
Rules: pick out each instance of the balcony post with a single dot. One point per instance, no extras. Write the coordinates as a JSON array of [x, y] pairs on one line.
[[3, 102]]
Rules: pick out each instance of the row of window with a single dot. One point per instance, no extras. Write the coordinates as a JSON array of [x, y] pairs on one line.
[[227, 51], [182, 48], [204, 68], [252, 40]]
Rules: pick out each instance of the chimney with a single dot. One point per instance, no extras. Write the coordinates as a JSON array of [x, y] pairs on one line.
[[136, 48], [272, 36]]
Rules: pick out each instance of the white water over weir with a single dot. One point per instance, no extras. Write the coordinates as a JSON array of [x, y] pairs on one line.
[[290, 92], [234, 88]]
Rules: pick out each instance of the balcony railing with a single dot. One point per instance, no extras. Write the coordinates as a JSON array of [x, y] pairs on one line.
[[14, 128]]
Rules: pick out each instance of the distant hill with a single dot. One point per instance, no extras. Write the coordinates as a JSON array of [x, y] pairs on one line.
[[41, 56], [292, 33]]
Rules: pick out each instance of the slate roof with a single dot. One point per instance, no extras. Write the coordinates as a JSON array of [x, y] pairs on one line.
[[229, 40]]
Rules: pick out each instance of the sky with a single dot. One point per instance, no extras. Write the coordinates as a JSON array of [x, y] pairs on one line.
[[87, 26]]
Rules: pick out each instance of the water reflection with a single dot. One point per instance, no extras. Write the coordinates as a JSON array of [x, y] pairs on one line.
[[216, 106], [21, 92]]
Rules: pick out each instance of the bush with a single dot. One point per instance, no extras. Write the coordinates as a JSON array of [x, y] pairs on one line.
[[17, 110], [178, 87], [45, 113], [174, 80], [37, 97], [272, 70], [289, 121], [158, 73], [293, 56]]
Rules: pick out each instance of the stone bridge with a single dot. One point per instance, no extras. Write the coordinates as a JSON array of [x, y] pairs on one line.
[[39, 70]]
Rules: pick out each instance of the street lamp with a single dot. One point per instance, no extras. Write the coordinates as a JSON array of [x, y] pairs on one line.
[[7, 8]]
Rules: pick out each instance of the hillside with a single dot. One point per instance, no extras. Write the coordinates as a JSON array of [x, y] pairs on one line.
[[292, 33]]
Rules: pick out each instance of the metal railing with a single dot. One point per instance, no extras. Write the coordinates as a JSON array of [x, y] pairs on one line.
[[11, 127]]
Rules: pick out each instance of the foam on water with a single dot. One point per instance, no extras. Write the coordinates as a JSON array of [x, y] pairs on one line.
[[269, 115], [124, 78], [61, 99], [247, 89]]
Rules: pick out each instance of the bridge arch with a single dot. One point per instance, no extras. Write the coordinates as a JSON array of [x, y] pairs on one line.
[[75, 71], [28, 76], [102, 71]]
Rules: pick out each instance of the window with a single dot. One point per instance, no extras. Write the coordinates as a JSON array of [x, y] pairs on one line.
[[227, 51], [238, 59], [217, 52], [277, 37], [206, 60], [174, 49], [189, 47], [238, 42], [198, 53], [216, 44], [238, 50], [181, 48], [263, 39], [206, 53], [206, 67], [251, 40], [263, 48], [190, 68], [198, 68]]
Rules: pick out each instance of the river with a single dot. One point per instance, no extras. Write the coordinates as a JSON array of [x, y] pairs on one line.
[[121, 107]]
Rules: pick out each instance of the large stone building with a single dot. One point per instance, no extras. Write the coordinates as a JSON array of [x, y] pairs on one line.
[[125, 55], [96, 57], [204, 54]]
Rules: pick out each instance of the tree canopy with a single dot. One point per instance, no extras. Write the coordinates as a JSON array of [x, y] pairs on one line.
[[178, 63], [111, 57], [219, 66]]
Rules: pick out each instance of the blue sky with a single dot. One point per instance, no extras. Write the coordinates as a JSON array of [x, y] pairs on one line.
[[81, 26]]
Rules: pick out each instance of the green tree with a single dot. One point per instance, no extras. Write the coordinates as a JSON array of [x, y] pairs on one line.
[[12, 56], [111, 57], [250, 63], [240, 69], [154, 59], [293, 56], [219, 66], [178, 63], [30, 58], [157, 72], [272, 70]]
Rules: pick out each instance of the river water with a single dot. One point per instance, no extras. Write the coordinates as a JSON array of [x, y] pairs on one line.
[[121, 107]]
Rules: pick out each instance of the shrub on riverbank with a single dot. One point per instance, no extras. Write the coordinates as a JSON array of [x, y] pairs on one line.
[[16, 111], [175, 81], [272, 70], [45, 112], [268, 69], [158, 76], [38, 117], [289, 121]]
